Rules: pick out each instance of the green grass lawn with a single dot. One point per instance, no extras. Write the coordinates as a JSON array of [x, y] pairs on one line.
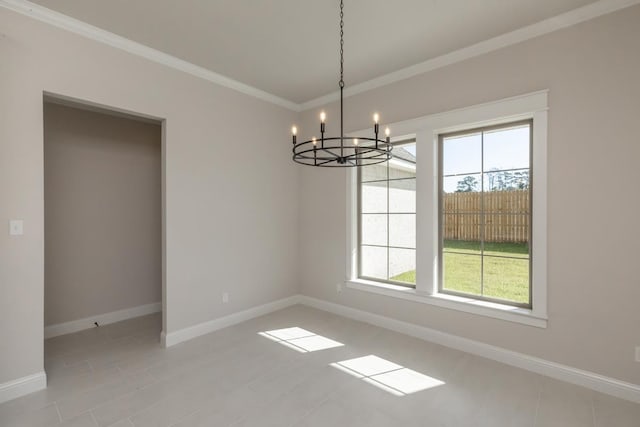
[[504, 278]]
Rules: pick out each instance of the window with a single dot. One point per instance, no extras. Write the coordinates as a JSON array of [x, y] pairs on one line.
[[387, 218], [484, 213], [478, 220]]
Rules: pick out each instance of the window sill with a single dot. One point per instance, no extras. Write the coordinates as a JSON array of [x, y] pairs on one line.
[[468, 305]]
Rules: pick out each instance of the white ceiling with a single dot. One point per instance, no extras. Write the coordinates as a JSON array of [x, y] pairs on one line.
[[289, 48]]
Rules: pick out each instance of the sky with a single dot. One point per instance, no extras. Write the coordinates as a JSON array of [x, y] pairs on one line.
[[503, 149], [506, 148]]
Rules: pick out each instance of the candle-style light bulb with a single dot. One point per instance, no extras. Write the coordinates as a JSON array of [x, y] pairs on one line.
[[355, 141], [323, 116], [387, 132], [376, 118], [315, 153], [294, 131]]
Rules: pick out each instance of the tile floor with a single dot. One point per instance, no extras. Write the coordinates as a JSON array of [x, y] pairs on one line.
[[294, 367]]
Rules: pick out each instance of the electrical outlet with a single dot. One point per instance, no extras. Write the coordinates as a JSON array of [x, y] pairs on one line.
[[339, 287], [16, 227], [638, 353], [225, 297]]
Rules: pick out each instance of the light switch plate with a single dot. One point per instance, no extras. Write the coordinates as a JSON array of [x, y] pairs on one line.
[[16, 227]]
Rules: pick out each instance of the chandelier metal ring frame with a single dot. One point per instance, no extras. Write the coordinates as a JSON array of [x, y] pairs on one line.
[[341, 151]]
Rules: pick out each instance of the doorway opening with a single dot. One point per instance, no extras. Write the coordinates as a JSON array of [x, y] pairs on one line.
[[104, 228]]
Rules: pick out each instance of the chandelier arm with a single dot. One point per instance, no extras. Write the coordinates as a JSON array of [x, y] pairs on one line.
[[325, 162], [311, 150], [334, 165], [360, 154]]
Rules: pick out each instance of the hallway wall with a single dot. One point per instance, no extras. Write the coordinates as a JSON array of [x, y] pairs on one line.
[[103, 225]]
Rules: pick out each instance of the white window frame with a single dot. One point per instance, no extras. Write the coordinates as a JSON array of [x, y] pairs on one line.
[[426, 130]]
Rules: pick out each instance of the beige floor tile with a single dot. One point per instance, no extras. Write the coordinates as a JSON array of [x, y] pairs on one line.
[[123, 423], [337, 412], [225, 408], [130, 404], [610, 411], [564, 405], [43, 417], [118, 375], [84, 420], [78, 403]]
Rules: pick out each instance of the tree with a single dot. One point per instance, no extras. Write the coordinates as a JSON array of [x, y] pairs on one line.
[[507, 180], [467, 184], [520, 180]]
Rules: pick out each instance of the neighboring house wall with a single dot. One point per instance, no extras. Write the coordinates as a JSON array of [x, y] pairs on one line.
[[591, 71], [231, 187], [103, 226]]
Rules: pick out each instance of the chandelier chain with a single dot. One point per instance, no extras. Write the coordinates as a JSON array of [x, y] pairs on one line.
[[341, 44], [340, 151]]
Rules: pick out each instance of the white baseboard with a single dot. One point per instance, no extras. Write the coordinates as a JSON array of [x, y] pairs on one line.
[[102, 319], [558, 371], [22, 386], [173, 338]]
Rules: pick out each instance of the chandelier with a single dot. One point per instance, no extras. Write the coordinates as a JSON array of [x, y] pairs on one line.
[[341, 151]]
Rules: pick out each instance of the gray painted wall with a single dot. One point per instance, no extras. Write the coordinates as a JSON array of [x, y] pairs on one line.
[[231, 187], [102, 201], [591, 71]]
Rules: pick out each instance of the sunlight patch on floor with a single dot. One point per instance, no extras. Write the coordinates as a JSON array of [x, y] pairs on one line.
[[386, 375], [300, 339]]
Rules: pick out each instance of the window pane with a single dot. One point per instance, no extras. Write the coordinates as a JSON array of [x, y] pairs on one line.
[[461, 227], [374, 197], [508, 235], [507, 202], [506, 278], [462, 154], [506, 148], [506, 180], [485, 218], [402, 265], [462, 246], [509, 249], [387, 216], [374, 229], [402, 195], [403, 162], [462, 184], [373, 173], [374, 262], [462, 273], [402, 230]]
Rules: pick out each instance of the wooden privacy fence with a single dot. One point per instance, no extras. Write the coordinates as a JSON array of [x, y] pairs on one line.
[[506, 216]]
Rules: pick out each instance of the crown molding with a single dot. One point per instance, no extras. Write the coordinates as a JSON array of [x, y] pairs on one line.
[[564, 20], [81, 28], [567, 19]]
